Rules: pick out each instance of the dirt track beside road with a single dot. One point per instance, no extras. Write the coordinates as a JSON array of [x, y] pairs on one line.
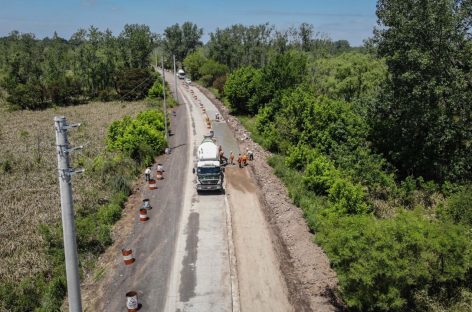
[[310, 280], [261, 283]]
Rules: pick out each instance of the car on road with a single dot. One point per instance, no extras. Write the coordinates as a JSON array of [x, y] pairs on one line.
[[188, 81]]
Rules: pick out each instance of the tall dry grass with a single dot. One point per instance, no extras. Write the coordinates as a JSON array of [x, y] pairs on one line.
[[29, 192]]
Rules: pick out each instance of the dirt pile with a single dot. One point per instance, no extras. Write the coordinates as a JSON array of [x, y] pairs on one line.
[[309, 277]]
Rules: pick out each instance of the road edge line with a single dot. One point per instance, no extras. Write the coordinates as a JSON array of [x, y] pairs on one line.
[[232, 258]]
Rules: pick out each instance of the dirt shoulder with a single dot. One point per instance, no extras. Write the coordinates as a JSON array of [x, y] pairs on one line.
[[261, 284], [310, 280]]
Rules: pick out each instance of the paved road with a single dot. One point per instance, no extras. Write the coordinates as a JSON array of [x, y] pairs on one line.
[[182, 252], [201, 276], [153, 242]]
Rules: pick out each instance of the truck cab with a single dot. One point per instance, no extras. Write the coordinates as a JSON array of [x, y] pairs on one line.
[[210, 174]]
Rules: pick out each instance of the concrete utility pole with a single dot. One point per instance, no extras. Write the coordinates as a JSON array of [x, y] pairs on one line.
[[164, 95], [68, 225], [175, 81]]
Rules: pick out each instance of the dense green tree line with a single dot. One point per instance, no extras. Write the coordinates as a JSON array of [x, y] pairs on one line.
[[374, 146], [91, 64]]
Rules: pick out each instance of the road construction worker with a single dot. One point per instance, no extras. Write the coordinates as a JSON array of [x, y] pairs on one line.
[[160, 172], [240, 161], [231, 158], [223, 159], [244, 158], [147, 174], [250, 154]]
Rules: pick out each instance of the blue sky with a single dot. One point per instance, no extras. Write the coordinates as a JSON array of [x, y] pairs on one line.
[[352, 20]]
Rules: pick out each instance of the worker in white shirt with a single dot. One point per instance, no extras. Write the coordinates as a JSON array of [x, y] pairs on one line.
[[147, 174]]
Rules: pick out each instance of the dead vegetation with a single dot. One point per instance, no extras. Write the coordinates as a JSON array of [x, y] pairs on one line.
[[29, 193]]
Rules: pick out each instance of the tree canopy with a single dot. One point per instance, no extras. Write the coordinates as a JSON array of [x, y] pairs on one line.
[[423, 121]]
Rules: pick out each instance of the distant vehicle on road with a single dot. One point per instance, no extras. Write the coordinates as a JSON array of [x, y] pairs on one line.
[[209, 170], [188, 81], [181, 74]]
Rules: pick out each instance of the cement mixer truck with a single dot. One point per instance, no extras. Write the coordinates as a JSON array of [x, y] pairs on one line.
[[210, 173]]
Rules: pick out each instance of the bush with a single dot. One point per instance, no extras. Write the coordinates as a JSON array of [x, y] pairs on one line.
[[459, 207], [347, 198], [6, 166], [381, 264], [219, 84], [299, 156], [155, 92], [141, 138], [193, 62], [211, 70], [320, 175], [107, 95]]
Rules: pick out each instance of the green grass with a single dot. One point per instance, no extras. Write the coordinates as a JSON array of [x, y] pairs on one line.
[[250, 124], [309, 202]]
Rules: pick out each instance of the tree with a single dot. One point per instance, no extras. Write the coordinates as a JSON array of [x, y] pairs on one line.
[[136, 43], [349, 76], [285, 71], [305, 33], [241, 86], [23, 72], [173, 40], [211, 70], [193, 62], [181, 40], [241, 45], [134, 83], [191, 35], [423, 121]]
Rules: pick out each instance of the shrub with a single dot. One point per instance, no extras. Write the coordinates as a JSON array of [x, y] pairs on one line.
[[320, 175], [6, 166], [155, 92], [347, 197], [193, 62], [109, 213], [211, 70], [107, 95], [120, 183], [459, 207], [141, 138], [219, 84], [298, 157], [382, 263]]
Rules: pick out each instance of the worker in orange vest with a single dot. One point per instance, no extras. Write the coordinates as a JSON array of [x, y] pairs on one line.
[[245, 159], [240, 160]]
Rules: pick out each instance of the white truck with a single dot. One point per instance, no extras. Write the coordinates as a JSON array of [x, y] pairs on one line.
[[210, 173], [181, 74]]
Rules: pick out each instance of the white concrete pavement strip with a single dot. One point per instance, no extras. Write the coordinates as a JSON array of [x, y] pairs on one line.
[[201, 278]]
